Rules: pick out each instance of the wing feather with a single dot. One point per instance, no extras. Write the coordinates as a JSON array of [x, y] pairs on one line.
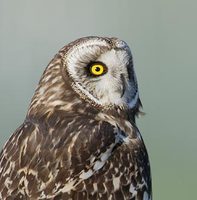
[[80, 157]]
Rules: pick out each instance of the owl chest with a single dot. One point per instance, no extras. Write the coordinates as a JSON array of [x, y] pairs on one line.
[[115, 176]]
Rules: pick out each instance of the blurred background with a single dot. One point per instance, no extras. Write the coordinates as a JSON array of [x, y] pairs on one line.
[[163, 37]]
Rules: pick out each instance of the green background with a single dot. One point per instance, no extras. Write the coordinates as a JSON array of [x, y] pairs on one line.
[[163, 37]]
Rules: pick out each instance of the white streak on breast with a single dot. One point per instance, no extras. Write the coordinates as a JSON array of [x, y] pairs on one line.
[[116, 183], [123, 138], [132, 190], [95, 186], [69, 186], [104, 157], [86, 175], [98, 165]]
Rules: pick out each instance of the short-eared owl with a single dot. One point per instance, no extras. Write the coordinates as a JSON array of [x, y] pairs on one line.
[[79, 139]]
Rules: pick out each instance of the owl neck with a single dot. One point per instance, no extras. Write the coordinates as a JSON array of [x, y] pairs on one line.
[[77, 108]]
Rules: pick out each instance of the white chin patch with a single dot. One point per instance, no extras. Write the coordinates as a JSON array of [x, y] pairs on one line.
[[115, 100]]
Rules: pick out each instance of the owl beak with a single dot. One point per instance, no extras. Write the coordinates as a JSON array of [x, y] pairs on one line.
[[123, 84]]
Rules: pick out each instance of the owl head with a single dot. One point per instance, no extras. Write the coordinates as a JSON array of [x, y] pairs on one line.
[[97, 71], [101, 71]]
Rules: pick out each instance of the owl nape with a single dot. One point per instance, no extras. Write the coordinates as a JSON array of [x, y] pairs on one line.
[[79, 139]]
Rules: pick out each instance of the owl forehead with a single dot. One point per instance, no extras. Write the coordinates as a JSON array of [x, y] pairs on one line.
[[115, 59], [85, 50]]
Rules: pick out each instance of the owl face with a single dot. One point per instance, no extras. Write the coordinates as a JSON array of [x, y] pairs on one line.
[[101, 71]]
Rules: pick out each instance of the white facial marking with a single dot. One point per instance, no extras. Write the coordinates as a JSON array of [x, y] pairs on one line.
[[115, 87], [81, 52], [110, 85]]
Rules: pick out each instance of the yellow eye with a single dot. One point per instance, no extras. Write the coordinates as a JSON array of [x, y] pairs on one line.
[[97, 69]]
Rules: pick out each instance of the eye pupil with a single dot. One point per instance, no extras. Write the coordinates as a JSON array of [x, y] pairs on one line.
[[98, 69]]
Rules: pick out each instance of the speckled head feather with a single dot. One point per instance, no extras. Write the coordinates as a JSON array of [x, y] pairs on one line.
[[79, 139]]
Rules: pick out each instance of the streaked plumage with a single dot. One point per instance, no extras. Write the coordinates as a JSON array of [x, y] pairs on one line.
[[79, 139]]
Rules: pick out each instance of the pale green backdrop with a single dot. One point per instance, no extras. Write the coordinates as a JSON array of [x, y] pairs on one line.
[[163, 38]]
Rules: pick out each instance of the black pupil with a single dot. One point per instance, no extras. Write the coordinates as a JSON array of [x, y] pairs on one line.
[[98, 69]]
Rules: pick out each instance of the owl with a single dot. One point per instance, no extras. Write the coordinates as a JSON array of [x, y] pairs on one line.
[[79, 140]]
